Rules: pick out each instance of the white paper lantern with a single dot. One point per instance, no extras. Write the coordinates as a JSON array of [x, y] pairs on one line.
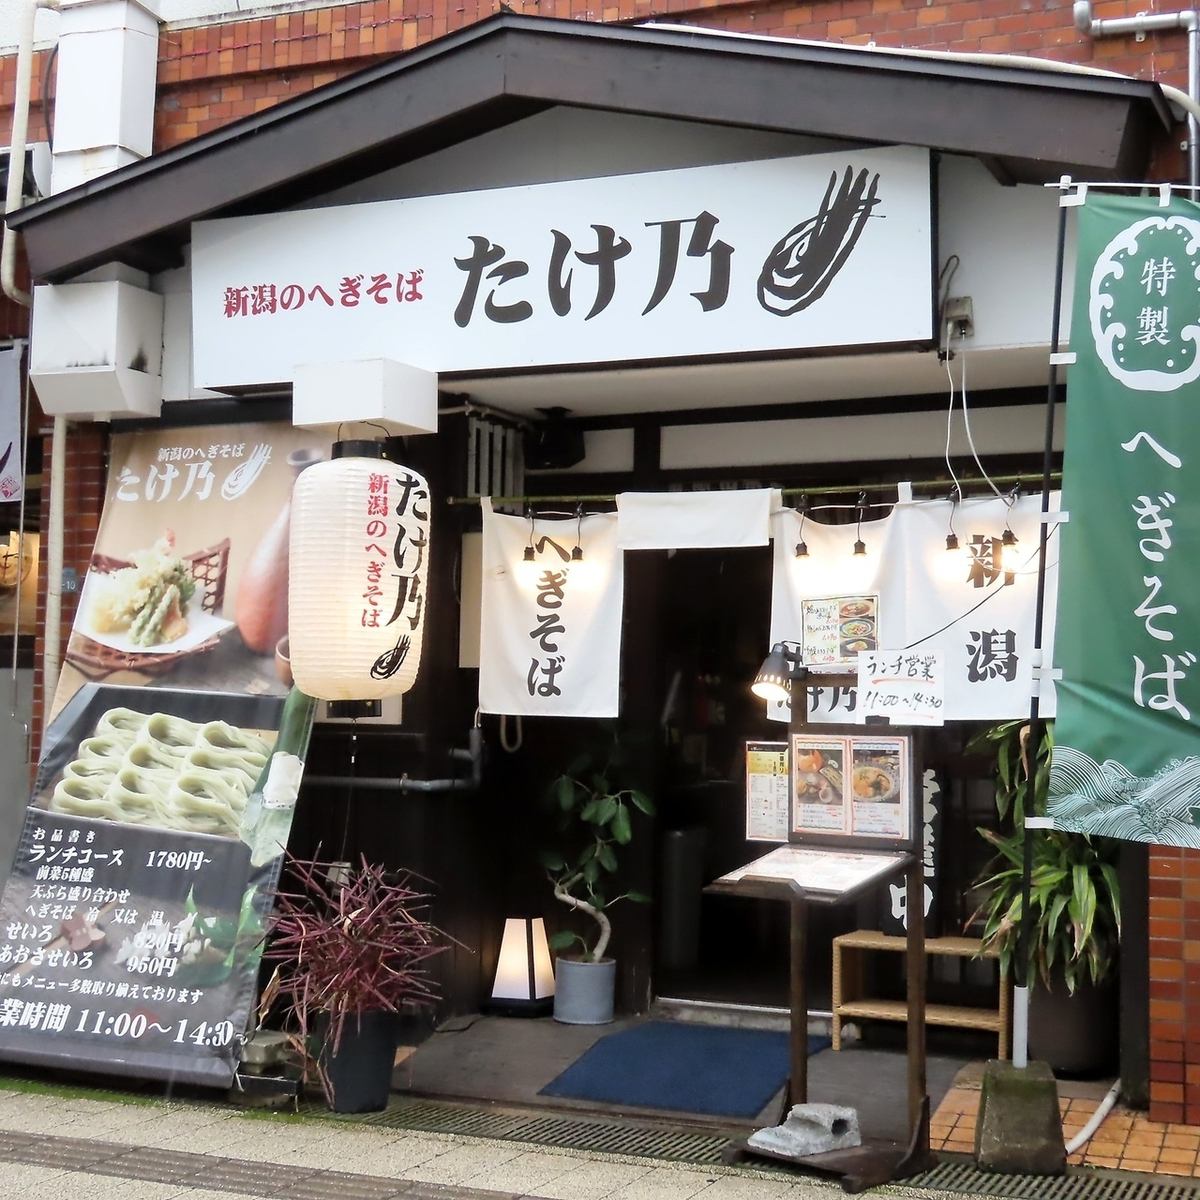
[[356, 580]]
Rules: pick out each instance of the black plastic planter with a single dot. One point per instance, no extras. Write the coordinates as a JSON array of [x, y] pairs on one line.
[[360, 1072], [1075, 1034]]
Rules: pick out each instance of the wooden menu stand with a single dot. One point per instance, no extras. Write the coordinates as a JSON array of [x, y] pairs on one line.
[[876, 1161]]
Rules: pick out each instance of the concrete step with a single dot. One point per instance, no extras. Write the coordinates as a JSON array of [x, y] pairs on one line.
[[735, 1016]]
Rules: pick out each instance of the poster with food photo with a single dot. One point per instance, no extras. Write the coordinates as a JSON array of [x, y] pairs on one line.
[[880, 803], [132, 921], [818, 785], [187, 585], [131, 924]]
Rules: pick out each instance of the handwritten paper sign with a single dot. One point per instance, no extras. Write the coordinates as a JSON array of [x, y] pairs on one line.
[[836, 628], [766, 792], [906, 686]]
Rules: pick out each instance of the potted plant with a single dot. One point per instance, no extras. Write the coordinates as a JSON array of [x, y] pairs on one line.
[[1075, 909], [595, 817], [351, 946]]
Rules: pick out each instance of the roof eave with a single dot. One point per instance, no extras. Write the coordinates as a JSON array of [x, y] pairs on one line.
[[508, 67]]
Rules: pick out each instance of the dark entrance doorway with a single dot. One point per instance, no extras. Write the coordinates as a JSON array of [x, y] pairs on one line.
[[713, 628]]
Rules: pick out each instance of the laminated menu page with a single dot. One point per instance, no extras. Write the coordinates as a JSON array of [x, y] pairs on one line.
[[854, 786], [766, 792]]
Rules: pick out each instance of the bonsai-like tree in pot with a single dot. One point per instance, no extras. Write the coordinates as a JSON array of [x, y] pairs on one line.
[[595, 817]]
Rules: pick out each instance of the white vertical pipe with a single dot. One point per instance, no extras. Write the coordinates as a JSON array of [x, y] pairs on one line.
[[17, 146], [1193, 32], [52, 653], [1020, 1054], [1142, 23]]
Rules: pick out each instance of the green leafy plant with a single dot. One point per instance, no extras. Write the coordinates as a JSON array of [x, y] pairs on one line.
[[1009, 742], [1075, 897], [595, 817]]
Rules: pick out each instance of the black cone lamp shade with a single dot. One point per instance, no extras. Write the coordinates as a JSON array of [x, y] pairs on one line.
[[774, 678]]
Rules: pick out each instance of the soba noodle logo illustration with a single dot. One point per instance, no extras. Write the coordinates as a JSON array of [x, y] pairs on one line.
[[162, 771], [806, 260], [1142, 304]]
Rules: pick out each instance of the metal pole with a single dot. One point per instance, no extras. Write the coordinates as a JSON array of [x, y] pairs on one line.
[[798, 1039], [825, 490], [915, 986], [1193, 126], [1021, 990]]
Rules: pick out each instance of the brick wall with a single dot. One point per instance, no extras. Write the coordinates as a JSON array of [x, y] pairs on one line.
[[214, 74], [87, 458], [1175, 985]]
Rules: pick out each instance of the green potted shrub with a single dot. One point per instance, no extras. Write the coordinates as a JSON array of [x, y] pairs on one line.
[[1075, 907], [595, 817], [351, 944]]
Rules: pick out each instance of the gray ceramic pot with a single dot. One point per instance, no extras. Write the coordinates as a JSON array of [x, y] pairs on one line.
[[583, 991]]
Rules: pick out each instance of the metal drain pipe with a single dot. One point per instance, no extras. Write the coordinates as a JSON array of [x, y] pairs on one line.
[[1140, 25]]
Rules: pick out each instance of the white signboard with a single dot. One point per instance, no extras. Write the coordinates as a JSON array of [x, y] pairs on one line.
[[825, 250], [906, 686], [550, 638]]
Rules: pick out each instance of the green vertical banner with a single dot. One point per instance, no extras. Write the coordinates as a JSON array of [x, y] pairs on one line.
[[1127, 757]]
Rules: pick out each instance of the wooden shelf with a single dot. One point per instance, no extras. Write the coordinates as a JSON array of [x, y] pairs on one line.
[[953, 1015], [849, 1002], [957, 947]]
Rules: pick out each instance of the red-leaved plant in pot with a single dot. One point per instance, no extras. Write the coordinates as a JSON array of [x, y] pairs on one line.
[[351, 944]]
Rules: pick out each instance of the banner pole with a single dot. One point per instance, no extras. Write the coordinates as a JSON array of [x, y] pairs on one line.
[[1020, 1056]]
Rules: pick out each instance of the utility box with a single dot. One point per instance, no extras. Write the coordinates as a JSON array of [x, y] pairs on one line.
[[96, 350]]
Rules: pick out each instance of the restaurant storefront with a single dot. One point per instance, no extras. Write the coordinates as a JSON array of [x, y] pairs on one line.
[[564, 265]]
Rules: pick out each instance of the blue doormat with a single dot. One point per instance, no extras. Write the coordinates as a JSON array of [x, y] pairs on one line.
[[684, 1067]]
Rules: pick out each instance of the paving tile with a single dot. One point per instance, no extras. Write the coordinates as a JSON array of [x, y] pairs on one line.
[[1138, 1164], [1172, 1154], [263, 1141], [661, 1184], [1182, 1141], [458, 1164], [323, 1185], [21, 1178], [145, 1162], [79, 1186], [593, 1180], [527, 1173], [364, 1153], [734, 1187], [209, 1194], [1182, 1169], [408, 1151]]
